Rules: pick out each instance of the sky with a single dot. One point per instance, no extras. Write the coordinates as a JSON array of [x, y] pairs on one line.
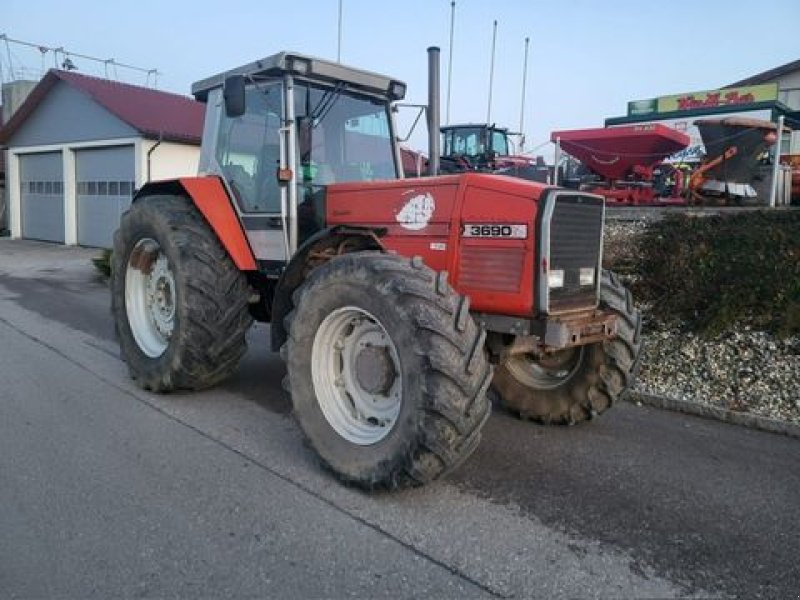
[[587, 58]]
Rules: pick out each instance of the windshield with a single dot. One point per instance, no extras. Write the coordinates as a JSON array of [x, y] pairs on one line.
[[499, 143], [342, 136], [464, 141]]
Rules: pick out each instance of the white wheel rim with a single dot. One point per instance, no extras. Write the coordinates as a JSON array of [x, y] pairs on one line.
[[361, 406], [546, 374], [150, 297]]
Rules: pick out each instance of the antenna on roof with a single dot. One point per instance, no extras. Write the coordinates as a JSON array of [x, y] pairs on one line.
[[339, 45], [450, 61], [491, 74], [522, 104], [68, 64]]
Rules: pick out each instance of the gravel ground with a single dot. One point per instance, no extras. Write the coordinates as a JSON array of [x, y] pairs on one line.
[[747, 371], [741, 370]]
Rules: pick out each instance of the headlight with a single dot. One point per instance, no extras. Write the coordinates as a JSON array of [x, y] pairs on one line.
[[587, 276], [555, 278], [301, 66], [397, 90]]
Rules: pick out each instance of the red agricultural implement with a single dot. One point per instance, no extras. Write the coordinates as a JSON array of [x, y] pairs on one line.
[[793, 161], [624, 159]]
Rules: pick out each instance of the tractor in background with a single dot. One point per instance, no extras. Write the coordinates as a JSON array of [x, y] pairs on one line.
[[486, 149], [397, 304]]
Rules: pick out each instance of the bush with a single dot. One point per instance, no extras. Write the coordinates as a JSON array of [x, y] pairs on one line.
[[712, 273]]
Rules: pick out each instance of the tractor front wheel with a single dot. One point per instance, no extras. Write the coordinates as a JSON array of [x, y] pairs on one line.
[[576, 384], [180, 305], [386, 369]]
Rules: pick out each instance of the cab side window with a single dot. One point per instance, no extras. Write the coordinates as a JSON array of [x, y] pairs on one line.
[[248, 150]]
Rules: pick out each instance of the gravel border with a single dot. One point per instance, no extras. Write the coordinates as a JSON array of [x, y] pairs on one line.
[[699, 409]]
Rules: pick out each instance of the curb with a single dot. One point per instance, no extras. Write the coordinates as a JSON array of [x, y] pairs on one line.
[[707, 411]]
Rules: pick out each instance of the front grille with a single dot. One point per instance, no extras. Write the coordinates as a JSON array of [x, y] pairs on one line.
[[576, 236]]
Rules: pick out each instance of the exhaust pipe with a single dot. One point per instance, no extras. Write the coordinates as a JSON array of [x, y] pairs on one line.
[[434, 117]]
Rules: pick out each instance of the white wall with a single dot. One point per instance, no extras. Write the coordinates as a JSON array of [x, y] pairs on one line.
[[167, 161], [789, 89]]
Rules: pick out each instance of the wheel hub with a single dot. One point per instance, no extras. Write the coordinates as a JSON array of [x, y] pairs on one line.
[[547, 371], [375, 370], [150, 298], [160, 297], [355, 370]]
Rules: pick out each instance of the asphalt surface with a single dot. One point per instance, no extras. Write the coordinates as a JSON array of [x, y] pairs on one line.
[[109, 491]]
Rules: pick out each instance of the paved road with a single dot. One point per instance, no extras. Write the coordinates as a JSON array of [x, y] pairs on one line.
[[107, 490]]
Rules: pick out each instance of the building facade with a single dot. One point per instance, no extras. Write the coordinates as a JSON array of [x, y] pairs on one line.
[[79, 147]]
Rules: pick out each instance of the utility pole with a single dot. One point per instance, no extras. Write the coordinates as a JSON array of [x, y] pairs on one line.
[[491, 74], [773, 187], [450, 63], [556, 160], [522, 104]]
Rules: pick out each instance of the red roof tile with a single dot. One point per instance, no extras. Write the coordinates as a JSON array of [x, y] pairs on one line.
[[151, 112]]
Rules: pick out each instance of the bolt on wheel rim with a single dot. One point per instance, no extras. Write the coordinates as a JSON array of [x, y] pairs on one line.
[[355, 370], [546, 373], [150, 297]]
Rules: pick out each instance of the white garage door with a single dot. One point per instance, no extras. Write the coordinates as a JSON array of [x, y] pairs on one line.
[[42, 196], [105, 183]]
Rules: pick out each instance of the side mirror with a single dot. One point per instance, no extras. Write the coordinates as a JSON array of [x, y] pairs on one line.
[[233, 93]]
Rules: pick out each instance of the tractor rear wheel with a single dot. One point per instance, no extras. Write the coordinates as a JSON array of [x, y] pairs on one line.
[[576, 384], [386, 369], [180, 305]]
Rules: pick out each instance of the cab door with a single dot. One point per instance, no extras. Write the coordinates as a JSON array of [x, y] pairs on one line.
[[246, 151]]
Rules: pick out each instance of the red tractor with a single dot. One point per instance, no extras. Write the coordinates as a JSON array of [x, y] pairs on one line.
[[397, 304]]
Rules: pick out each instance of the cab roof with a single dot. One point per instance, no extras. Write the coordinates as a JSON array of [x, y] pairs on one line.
[[306, 66], [474, 126]]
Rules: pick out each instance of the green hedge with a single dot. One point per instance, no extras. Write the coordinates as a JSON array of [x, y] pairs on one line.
[[713, 273]]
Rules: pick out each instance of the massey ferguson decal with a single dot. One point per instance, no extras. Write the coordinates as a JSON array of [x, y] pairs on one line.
[[416, 212]]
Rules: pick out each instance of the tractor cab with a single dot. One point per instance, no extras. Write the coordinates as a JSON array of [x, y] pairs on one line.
[[280, 129], [473, 147]]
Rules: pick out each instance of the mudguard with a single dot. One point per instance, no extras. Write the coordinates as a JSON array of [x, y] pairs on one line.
[[296, 271], [213, 202]]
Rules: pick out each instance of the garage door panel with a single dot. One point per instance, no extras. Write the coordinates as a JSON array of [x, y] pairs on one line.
[[105, 183], [43, 217], [42, 196]]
